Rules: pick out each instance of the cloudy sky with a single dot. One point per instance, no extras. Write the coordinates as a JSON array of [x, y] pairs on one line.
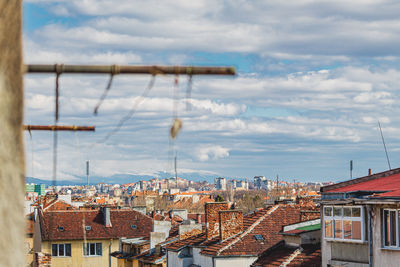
[[314, 78]]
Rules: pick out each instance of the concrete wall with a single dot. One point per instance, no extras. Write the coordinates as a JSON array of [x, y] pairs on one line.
[[382, 257], [162, 226], [311, 237], [202, 260], [180, 212], [352, 252], [234, 261], [173, 260], [141, 209], [156, 238], [184, 228], [77, 258]]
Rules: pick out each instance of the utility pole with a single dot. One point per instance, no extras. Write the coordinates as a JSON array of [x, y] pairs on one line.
[[12, 174]]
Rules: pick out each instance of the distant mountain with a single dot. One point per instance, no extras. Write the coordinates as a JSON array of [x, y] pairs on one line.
[[123, 178]]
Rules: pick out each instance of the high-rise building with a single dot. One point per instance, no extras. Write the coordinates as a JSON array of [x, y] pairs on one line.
[[220, 183]]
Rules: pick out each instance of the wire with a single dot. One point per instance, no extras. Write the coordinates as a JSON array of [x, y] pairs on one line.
[[104, 95], [132, 111]]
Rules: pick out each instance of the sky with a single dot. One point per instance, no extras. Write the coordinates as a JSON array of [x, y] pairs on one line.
[[313, 80]]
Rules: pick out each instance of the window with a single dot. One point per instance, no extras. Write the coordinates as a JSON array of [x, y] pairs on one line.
[[61, 250], [391, 228], [92, 249], [343, 223]]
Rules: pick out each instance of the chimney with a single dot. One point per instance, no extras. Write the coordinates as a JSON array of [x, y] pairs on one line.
[[212, 217], [158, 250], [107, 216], [369, 172], [198, 219], [230, 223]]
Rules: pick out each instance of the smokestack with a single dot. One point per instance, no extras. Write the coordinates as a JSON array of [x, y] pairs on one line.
[[107, 216], [369, 172]]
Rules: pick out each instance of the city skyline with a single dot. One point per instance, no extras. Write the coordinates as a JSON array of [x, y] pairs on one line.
[[313, 81]]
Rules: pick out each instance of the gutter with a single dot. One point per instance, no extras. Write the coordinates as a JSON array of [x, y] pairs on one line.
[[370, 249], [109, 253]]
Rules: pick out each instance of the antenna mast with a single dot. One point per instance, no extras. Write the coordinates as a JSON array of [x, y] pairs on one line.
[[384, 145], [351, 169], [87, 172]]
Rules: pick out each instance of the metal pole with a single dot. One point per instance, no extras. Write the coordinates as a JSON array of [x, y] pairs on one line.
[[384, 145], [87, 172], [125, 69], [58, 128], [351, 169]]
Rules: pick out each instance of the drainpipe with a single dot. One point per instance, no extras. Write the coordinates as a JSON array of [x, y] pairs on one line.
[[109, 253], [370, 250]]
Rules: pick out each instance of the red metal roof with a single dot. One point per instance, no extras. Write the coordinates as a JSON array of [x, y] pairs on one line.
[[390, 183]]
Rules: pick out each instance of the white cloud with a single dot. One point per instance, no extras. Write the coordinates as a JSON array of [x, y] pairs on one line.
[[205, 153]]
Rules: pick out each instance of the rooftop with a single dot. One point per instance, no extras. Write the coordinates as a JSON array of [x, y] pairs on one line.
[[384, 184]]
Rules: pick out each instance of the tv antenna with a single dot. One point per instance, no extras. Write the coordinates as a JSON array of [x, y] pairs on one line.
[[384, 145]]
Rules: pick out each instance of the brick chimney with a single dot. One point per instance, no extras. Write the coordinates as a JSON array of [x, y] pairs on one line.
[[198, 218], [369, 172], [212, 217], [107, 216], [230, 223]]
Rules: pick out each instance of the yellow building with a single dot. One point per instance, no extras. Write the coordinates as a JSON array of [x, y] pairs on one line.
[[88, 237]]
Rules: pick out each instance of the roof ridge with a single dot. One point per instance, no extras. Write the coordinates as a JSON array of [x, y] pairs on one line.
[[291, 257], [259, 220]]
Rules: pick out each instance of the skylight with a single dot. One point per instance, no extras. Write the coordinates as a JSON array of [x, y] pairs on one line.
[[258, 237]]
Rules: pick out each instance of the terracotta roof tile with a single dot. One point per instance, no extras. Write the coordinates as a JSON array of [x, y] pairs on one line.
[[266, 222], [72, 221], [307, 256]]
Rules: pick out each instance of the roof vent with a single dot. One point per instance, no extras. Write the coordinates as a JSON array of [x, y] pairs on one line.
[[133, 226], [88, 227], [259, 237], [61, 228]]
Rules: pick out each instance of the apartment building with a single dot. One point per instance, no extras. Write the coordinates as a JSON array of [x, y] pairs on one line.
[[360, 221], [86, 237]]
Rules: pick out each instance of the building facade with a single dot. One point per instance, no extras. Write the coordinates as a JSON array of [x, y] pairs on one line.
[[360, 221]]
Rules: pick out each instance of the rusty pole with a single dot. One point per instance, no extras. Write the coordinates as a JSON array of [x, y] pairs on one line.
[[126, 69], [58, 128]]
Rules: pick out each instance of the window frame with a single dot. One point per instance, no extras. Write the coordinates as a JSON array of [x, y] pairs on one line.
[[342, 218], [88, 244], [397, 234], [58, 250]]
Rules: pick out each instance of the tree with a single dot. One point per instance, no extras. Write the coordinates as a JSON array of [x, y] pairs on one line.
[[219, 198]]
